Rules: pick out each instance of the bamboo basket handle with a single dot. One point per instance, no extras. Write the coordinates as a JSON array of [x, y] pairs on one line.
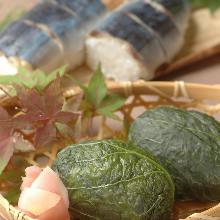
[[161, 88], [8, 212]]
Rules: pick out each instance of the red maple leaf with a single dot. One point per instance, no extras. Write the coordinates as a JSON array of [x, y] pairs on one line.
[[9, 139], [41, 112], [6, 130]]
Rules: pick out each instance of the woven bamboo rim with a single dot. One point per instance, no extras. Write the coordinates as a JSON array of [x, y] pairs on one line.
[[164, 89], [168, 93]]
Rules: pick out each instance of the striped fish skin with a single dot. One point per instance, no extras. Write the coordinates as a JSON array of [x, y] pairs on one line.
[[149, 30], [78, 7], [120, 34], [152, 15], [15, 43], [52, 34], [180, 10]]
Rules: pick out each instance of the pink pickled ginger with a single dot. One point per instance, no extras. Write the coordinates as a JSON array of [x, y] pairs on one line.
[[43, 196]]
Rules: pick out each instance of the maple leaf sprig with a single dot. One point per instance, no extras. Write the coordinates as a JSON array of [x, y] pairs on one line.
[[10, 142], [41, 117], [10, 139], [45, 116], [97, 100], [36, 79], [42, 114]]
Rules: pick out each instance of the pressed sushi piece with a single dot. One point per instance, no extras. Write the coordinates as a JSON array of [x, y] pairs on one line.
[[125, 49], [134, 41], [34, 47], [51, 34]]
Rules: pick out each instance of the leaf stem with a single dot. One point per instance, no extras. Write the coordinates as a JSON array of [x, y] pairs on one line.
[[90, 125], [4, 91]]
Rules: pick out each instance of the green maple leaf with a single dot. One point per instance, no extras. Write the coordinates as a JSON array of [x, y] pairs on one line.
[[110, 104], [97, 99], [32, 79], [97, 89]]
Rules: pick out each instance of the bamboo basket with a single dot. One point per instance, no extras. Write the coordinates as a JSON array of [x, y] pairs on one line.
[[202, 42], [141, 96]]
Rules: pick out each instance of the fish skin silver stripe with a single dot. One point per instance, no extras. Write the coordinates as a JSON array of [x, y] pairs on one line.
[[66, 9], [136, 19], [162, 9], [45, 29]]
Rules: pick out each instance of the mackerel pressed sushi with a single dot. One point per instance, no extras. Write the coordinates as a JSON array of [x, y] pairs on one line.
[[133, 41], [52, 34], [119, 48]]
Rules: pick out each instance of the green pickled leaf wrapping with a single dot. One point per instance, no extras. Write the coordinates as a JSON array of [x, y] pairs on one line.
[[187, 143], [109, 180]]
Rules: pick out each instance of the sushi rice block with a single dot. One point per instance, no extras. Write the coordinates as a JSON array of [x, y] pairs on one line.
[[137, 38]]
